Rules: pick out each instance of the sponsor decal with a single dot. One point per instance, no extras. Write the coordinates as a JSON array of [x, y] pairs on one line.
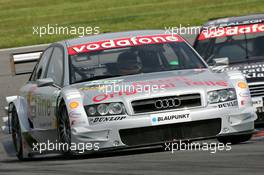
[[255, 70], [123, 42], [31, 106], [228, 104], [73, 95], [242, 85], [166, 83], [207, 83], [100, 82], [225, 22], [169, 82], [38, 105], [103, 96], [170, 117], [74, 114], [41, 106], [73, 105], [231, 31], [244, 94], [88, 88], [76, 122], [245, 101], [106, 119]]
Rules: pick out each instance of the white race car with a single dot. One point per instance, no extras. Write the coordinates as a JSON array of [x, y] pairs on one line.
[[125, 89]]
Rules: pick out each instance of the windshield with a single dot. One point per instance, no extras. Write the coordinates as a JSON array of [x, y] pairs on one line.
[[240, 47], [132, 60]]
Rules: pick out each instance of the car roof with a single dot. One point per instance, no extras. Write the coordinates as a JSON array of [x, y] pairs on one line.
[[236, 20], [115, 35]]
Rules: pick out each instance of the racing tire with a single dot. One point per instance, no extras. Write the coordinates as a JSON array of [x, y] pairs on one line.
[[17, 135], [235, 139], [64, 130]]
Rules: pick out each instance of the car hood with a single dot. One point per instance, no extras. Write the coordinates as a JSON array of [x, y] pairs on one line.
[[167, 83]]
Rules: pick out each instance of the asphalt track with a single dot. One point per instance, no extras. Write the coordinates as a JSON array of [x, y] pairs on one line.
[[246, 158]]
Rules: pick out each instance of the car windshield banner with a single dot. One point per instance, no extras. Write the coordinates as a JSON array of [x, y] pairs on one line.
[[123, 42], [231, 31]]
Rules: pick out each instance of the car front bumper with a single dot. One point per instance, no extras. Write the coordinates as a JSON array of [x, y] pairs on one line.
[[259, 107], [139, 130]]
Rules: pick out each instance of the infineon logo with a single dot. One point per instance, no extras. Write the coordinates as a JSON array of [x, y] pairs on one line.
[[124, 42], [230, 31]]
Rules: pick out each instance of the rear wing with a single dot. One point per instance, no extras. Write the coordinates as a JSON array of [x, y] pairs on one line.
[[23, 60]]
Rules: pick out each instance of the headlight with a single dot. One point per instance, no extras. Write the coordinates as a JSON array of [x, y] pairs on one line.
[[115, 108], [102, 109], [213, 97], [224, 95], [221, 95], [91, 110], [105, 109], [232, 94]]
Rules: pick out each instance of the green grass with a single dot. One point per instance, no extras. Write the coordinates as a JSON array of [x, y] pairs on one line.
[[17, 17]]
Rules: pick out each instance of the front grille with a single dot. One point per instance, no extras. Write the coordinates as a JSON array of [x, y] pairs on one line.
[[256, 90], [163, 133], [148, 105]]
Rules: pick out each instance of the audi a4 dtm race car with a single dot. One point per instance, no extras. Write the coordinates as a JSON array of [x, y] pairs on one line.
[[237, 43], [123, 90]]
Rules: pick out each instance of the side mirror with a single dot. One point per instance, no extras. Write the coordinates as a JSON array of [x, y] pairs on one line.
[[220, 64], [45, 82], [221, 61]]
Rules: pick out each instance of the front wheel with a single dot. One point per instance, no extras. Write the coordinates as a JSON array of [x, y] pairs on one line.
[[64, 130], [17, 135], [235, 139]]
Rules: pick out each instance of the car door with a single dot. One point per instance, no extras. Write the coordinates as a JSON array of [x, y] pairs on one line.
[[46, 96], [28, 91]]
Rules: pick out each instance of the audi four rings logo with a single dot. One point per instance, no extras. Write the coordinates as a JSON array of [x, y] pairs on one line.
[[167, 103]]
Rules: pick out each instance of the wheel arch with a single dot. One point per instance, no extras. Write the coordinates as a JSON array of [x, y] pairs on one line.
[[76, 115], [19, 103], [243, 94]]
